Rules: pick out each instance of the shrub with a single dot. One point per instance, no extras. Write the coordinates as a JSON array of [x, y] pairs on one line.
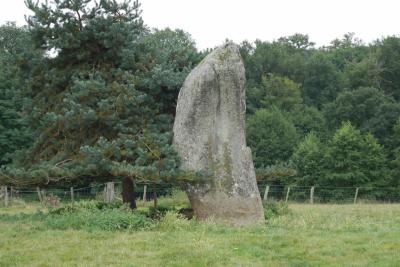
[[93, 215], [173, 221], [275, 208], [107, 219], [177, 199]]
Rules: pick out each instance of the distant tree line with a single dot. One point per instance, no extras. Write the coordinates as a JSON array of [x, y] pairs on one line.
[[329, 115], [88, 94]]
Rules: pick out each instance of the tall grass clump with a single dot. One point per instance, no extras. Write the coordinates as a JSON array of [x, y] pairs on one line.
[[172, 203], [275, 208], [93, 215], [178, 199], [173, 222]]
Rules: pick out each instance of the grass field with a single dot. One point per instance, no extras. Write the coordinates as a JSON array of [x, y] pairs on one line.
[[310, 235]]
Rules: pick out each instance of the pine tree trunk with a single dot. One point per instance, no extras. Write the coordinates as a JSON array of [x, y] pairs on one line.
[[155, 197], [128, 192]]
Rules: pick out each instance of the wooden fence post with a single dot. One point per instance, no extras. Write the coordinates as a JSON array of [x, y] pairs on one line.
[[5, 194], [266, 193], [109, 192], [355, 196], [39, 194], [2, 192], [144, 194], [155, 198], [287, 194], [72, 195], [312, 195]]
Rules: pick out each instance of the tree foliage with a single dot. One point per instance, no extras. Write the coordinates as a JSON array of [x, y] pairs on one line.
[[388, 57], [353, 159], [348, 159], [102, 97], [271, 136], [15, 56], [275, 91], [322, 81], [369, 109], [308, 158], [88, 93]]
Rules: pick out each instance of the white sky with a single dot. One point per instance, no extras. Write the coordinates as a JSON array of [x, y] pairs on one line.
[[210, 22]]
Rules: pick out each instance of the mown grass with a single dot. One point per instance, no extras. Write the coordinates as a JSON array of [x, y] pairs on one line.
[[309, 235]]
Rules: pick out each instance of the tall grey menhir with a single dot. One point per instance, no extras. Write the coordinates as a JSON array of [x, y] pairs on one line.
[[209, 136]]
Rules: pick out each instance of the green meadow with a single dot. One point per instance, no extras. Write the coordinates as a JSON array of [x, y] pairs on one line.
[[293, 235]]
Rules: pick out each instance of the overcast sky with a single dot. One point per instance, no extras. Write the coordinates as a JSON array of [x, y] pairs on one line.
[[210, 22]]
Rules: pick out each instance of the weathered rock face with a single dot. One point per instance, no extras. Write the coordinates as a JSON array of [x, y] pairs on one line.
[[209, 136]]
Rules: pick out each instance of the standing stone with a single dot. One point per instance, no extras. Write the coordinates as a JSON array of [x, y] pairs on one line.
[[209, 136]]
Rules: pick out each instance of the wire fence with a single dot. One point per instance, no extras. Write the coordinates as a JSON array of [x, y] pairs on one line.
[[143, 192], [329, 194], [100, 192]]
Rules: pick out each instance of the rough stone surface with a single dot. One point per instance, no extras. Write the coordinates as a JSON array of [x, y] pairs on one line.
[[209, 136]]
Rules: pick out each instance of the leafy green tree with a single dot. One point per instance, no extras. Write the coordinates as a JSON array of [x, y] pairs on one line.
[[369, 109], [271, 136], [395, 169], [389, 60], [309, 119], [309, 160], [282, 57], [394, 156], [364, 73], [393, 141], [275, 91], [353, 159], [322, 82], [297, 41], [357, 61], [347, 51]]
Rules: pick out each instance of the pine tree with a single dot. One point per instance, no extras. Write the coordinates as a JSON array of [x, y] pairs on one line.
[[16, 52], [94, 115]]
